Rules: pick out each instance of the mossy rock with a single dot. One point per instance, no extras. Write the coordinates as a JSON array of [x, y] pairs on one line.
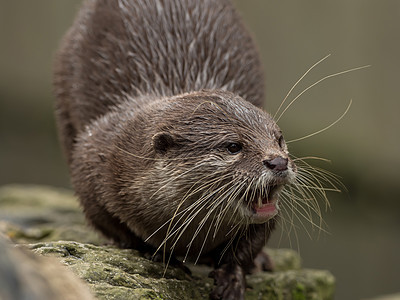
[[124, 274], [40, 218], [30, 213]]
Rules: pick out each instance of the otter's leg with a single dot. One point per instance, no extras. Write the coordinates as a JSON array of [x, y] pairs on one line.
[[230, 271], [112, 228]]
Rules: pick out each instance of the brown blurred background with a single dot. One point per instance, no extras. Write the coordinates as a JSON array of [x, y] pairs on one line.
[[362, 247]]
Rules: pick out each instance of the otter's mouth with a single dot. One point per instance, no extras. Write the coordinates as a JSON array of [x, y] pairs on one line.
[[263, 205]]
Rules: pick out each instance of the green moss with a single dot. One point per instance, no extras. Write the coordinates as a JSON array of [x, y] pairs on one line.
[[299, 292], [39, 215]]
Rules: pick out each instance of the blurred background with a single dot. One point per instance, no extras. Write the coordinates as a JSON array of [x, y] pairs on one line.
[[362, 244]]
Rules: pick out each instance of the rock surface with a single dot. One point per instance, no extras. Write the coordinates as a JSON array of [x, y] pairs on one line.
[[25, 275], [50, 223]]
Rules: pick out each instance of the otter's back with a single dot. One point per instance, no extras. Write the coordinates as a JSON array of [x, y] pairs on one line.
[[117, 50]]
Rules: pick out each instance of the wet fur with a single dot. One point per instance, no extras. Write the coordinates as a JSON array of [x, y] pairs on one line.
[[148, 95]]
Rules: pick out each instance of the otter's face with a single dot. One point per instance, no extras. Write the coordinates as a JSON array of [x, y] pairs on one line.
[[264, 165], [238, 159]]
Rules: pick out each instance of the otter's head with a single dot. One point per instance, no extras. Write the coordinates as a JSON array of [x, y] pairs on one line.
[[232, 158]]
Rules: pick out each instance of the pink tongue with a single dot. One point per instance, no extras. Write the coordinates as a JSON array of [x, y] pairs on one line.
[[266, 208]]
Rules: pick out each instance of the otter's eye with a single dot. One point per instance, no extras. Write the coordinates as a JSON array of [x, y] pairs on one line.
[[281, 141], [234, 148]]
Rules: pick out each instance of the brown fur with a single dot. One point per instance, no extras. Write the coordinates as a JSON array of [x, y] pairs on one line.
[[150, 94]]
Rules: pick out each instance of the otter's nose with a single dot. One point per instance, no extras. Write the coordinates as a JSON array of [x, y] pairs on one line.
[[276, 164]]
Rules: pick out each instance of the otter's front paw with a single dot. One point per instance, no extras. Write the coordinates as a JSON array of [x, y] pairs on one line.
[[229, 283]]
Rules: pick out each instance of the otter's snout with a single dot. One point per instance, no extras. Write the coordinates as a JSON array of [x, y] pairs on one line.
[[276, 164]]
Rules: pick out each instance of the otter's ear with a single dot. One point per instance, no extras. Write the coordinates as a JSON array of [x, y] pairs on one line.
[[162, 142]]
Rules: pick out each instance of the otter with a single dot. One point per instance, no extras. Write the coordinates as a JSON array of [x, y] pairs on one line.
[[159, 115]]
